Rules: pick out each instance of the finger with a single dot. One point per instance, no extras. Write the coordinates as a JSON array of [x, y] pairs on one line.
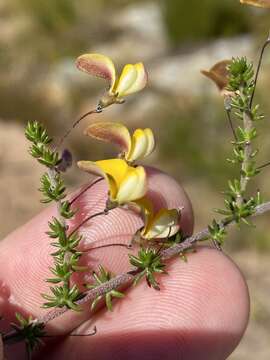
[[25, 254], [201, 313]]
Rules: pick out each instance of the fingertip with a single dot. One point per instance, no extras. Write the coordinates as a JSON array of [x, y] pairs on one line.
[[201, 313], [26, 252], [209, 291]]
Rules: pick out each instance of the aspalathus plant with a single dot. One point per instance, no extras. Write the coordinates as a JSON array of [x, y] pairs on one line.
[[66, 256], [161, 237], [240, 87]]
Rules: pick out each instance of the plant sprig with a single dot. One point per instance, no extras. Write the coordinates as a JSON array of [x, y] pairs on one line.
[[66, 257], [147, 262], [238, 206], [28, 330], [101, 277]]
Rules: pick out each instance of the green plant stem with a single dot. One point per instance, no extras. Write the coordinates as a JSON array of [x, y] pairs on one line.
[[52, 173], [123, 280], [247, 125], [247, 152]]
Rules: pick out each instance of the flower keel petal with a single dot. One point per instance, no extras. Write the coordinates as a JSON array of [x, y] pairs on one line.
[[141, 79], [164, 224], [139, 145], [151, 141], [126, 80], [133, 186]]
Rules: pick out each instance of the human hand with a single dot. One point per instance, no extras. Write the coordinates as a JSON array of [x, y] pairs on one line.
[[201, 311]]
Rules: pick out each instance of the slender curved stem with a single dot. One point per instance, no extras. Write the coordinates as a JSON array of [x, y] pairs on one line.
[[84, 190], [103, 212], [266, 43], [228, 112], [95, 111], [263, 165], [105, 246], [12, 336]]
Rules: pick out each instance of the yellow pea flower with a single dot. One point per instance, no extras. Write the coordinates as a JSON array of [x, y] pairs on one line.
[[132, 79], [126, 183], [162, 224], [135, 147], [258, 3]]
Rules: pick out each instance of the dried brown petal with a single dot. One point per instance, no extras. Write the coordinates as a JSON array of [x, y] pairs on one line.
[[219, 74], [258, 3]]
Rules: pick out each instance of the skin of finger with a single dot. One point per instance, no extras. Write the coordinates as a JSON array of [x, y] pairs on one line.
[[25, 254], [201, 313]]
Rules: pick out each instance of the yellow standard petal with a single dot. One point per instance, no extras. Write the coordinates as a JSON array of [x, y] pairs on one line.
[[97, 65], [116, 168], [164, 224], [126, 183], [134, 186], [112, 170], [259, 3], [133, 78], [111, 132]]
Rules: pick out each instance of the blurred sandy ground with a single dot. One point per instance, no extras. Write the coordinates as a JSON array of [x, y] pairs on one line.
[[38, 44]]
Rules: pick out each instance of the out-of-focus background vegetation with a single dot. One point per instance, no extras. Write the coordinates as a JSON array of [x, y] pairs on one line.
[[175, 39]]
